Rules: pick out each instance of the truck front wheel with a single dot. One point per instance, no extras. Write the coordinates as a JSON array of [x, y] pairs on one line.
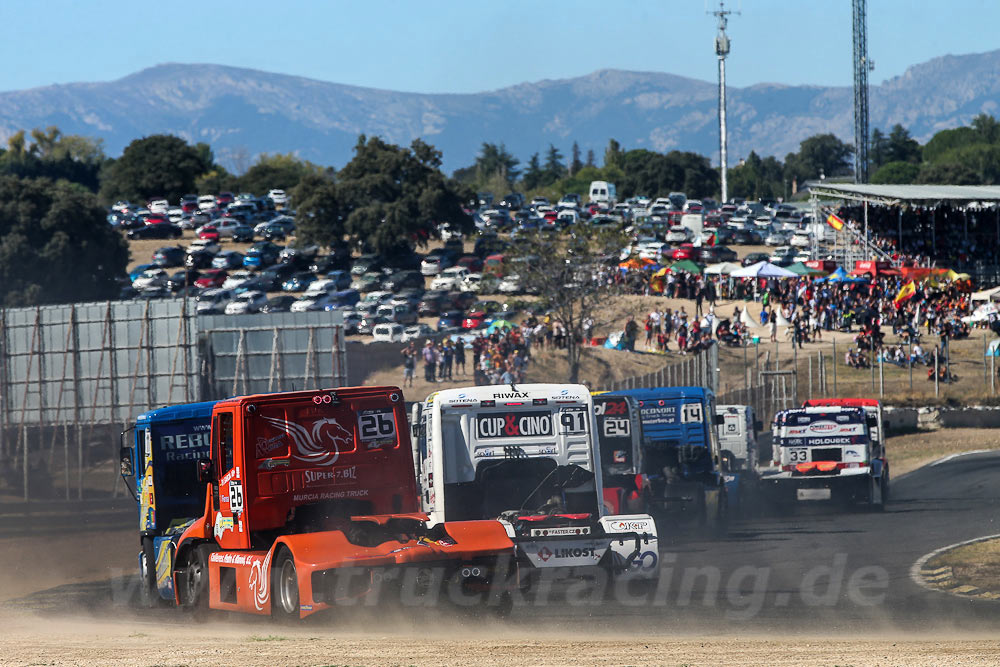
[[148, 594], [285, 584], [194, 594]]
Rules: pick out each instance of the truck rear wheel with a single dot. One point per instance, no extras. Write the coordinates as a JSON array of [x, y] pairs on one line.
[[285, 584]]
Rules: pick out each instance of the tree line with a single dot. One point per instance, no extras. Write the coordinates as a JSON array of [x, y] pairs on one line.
[[55, 245]]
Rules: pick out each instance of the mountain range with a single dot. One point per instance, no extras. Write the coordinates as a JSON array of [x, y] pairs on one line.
[[243, 112]]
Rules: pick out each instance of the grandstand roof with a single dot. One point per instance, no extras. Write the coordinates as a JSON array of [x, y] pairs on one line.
[[910, 194]]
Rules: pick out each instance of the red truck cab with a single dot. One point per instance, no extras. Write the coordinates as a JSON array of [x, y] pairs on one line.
[[301, 488]]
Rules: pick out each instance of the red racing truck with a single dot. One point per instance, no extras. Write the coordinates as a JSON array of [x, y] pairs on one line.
[[310, 499]]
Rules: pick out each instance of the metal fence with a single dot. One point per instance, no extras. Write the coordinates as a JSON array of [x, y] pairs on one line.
[[73, 376], [699, 370]]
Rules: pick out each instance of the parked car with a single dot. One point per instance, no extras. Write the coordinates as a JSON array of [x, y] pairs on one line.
[[243, 234], [213, 301], [433, 303], [417, 331], [435, 264], [237, 278], [399, 313], [473, 263], [342, 279], [783, 256], [388, 332], [298, 282], [755, 257], [450, 319], [181, 279], [801, 239], [247, 302], [150, 278], [278, 304], [368, 282], [510, 284], [775, 237], [402, 279], [165, 231], [472, 283], [366, 264], [228, 260], [169, 256], [479, 313], [725, 254], [677, 235], [450, 278], [351, 320], [212, 278], [261, 254]]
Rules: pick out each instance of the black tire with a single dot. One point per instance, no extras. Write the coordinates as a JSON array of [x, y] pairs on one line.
[[148, 595], [194, 594], [284, 587]]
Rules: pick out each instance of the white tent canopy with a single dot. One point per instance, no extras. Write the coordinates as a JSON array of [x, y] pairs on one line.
[[763, 270], [986, 294], [724, 269]]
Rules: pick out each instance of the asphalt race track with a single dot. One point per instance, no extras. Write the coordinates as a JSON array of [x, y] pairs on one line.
[[819, 570]]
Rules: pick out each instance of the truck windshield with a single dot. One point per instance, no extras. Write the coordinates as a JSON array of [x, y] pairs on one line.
[[514, 461]]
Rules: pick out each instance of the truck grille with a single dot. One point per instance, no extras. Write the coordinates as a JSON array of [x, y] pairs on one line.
[[830, 454]]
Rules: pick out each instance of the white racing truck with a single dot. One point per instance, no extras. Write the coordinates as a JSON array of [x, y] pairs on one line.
[[526, 455], [824, 454], [737, 427]]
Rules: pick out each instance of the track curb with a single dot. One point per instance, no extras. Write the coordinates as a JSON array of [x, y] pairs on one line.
[[942, 579]]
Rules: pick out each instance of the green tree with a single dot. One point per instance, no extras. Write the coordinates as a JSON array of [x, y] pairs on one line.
[[575, 164], [987, 128], [900, 147], [319, 216], [554, 168], [55, 244], [896, 173], [281, 171], [389, 198], [560, 270], [947, 173], [157, 166], [819, 154], [533, 175], [216, 180], [948, 140], [590, 158], [51, 154], [877, 148], [656, 174], [613, 153], [757, 178]]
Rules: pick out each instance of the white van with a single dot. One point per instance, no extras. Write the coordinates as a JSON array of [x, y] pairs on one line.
[[693, 221], [602, 191]]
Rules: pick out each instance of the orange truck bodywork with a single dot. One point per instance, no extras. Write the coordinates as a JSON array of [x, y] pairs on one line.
[[308, 472]]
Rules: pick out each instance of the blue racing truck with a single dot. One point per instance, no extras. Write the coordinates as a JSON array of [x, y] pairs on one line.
[[160, 464], [680, 468]]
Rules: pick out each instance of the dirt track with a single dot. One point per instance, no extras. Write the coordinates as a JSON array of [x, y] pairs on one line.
[[27, 641]]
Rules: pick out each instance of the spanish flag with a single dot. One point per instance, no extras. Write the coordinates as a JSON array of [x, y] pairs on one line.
[[905, 293], [834, 221]]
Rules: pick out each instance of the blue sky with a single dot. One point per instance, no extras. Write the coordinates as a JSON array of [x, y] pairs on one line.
[[451, 46]]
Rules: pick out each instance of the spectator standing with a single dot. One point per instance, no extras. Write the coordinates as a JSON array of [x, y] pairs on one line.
[[430, 360], [409, 363], [460, 355]]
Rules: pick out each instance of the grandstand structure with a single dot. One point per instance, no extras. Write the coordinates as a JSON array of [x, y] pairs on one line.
[[957, 226]]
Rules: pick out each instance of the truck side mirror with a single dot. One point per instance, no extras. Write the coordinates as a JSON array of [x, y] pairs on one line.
[[719, 420], [125, 460], [204, 470]]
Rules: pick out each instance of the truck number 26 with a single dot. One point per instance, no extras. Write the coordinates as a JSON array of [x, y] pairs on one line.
[[375, 425]]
